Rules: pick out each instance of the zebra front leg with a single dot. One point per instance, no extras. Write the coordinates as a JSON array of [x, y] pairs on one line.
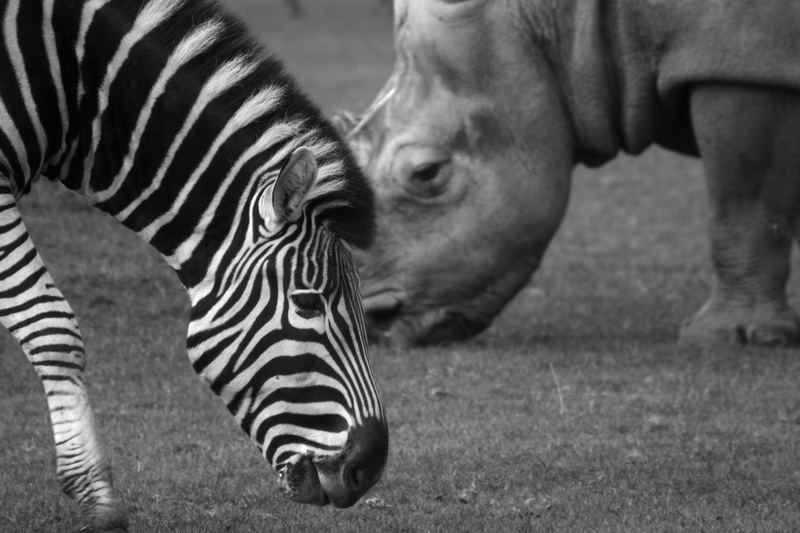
[[35, 312]]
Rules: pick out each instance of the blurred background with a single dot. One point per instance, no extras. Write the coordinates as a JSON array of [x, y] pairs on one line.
[[339, 50]]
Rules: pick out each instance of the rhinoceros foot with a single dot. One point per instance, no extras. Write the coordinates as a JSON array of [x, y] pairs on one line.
[[764, 325]]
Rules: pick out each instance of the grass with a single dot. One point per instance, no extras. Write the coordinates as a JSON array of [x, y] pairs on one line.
[[576, 411]]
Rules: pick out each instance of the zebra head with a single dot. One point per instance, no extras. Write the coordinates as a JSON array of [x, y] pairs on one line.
[[279, 335]]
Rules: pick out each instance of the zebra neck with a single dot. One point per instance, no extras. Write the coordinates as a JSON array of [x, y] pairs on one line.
[[177, 120]]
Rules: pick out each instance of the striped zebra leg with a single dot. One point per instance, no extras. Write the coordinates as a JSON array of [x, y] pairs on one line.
[[35, 312]]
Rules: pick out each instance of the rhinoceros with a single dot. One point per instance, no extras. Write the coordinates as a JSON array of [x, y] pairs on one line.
[[491, 104]]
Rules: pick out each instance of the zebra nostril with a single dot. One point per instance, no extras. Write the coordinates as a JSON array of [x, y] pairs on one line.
[[367, 455], [360, 478], [345, 478]]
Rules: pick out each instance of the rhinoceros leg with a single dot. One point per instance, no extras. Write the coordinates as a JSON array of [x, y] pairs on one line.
[[749, 139]]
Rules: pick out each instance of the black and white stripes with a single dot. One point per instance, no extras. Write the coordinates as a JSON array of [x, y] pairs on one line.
[[166, 116]]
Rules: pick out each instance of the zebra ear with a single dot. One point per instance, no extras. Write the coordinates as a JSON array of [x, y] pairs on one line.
[[293, 183]]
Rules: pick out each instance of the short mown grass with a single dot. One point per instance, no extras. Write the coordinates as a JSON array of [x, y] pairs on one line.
[[576, 411]]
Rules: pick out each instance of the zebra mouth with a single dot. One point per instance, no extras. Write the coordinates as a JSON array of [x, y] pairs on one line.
[[300, 482], [316, 480]]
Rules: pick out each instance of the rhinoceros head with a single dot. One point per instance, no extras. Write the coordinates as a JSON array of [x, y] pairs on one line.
[[470, 152]]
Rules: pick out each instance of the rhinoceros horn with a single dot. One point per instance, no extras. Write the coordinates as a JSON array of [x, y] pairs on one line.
[[344, 122], [382, 99]]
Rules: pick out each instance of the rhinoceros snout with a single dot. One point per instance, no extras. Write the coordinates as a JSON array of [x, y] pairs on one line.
[[382, 314], [400, 327]]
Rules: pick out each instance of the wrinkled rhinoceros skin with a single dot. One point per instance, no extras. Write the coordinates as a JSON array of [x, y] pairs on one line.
[[492, 103]]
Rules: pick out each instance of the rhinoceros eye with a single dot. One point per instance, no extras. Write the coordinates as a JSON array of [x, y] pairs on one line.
[[429, 179], [427, 173]]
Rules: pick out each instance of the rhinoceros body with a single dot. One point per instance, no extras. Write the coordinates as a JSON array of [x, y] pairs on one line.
[[492, 103]]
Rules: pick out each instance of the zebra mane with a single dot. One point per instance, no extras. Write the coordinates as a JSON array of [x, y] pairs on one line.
[[341, 196]]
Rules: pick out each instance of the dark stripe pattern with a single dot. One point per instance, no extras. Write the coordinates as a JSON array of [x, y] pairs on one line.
[[166, 116]]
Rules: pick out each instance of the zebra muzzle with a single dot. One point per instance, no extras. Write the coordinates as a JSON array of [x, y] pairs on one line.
[[339, 479], [300, 482]]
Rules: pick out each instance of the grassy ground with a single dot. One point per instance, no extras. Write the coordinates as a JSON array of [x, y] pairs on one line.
[[575, 412]]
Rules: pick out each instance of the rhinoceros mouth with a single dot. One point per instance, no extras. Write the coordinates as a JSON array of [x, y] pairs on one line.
[[391, 322], [382, 310]]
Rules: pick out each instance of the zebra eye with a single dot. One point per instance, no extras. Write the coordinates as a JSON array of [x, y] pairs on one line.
[[308, 304]]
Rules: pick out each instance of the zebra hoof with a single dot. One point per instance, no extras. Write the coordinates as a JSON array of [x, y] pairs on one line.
[[99, 529], [116, 527], [107, 518]]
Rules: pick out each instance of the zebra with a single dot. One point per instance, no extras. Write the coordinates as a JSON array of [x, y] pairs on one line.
[[166, 115]]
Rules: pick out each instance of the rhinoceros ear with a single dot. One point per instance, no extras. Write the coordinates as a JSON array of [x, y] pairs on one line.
[[290, 188]]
